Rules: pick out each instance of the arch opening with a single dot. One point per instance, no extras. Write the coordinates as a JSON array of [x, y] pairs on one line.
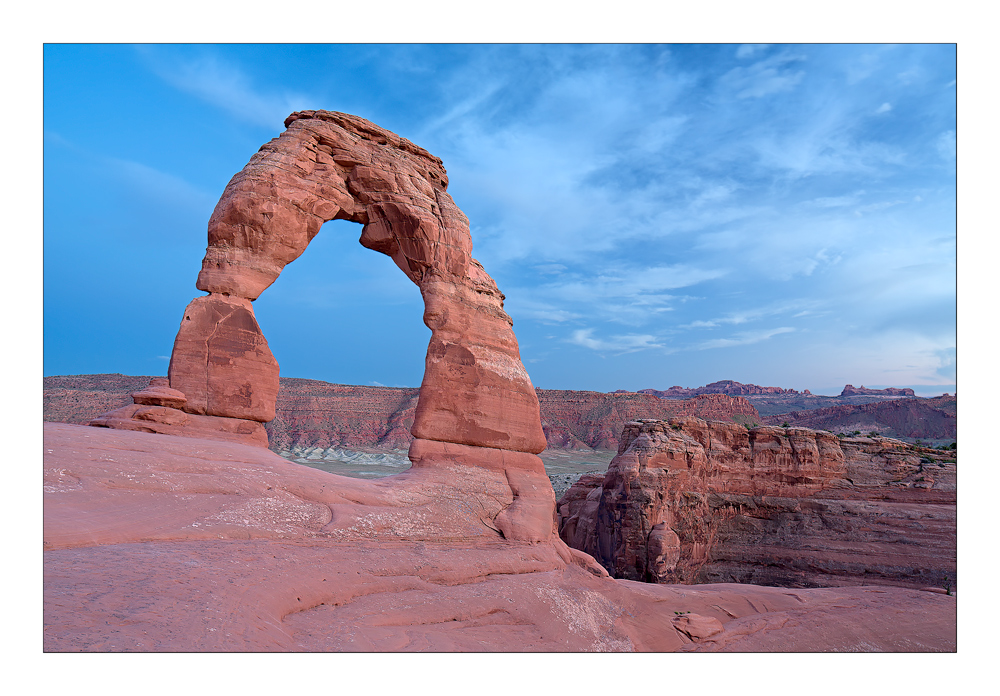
[[476, 406], [343, 314]]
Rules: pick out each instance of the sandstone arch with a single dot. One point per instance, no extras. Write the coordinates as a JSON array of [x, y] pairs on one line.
[[476, 407]]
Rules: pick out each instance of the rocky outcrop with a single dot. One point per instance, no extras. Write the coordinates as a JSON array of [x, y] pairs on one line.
[[693, 501], [933, 419], [850, 390]]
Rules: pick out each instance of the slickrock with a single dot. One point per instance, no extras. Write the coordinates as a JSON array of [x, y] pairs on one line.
[[157, 543], [693, 501]]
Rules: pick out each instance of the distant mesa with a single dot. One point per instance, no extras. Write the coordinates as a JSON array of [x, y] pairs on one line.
[[733, 388], [850, 390], [933, 419], [726, 386]]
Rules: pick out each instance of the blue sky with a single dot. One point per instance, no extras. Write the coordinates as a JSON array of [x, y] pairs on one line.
[[656, 215]]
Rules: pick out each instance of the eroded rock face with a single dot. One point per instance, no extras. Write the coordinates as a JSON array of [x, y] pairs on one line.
[[692, 501], [221, 361], [328, 166], [475, 392]]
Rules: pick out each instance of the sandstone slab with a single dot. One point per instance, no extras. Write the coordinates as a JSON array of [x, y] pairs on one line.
[[156, 543]]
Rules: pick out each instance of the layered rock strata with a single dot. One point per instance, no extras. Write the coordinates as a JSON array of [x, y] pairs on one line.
[[475, 394], [312, 413], [933, 419], [692, 501], [579, 419]]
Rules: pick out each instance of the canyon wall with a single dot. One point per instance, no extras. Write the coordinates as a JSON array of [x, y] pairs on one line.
[[932, 419], [313, 413], [692, 501]]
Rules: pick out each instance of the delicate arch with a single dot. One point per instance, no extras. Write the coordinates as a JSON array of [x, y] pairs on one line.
[[332, 166], [476, 406]]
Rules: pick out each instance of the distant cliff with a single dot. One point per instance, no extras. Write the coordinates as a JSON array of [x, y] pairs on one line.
[[312, 413], [910, 418], [726, 386]]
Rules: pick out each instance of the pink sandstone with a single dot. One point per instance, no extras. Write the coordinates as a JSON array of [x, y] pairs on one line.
[[475, 392], [160, 543], [688, 500]]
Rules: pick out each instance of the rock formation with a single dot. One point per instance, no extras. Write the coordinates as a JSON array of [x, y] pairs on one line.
[[687, 501], [476, 405]]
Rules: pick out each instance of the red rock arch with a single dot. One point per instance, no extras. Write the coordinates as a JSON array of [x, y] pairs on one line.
[[477, 406]]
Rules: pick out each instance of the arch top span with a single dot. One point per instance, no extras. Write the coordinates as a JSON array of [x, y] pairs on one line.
[[333, 166]]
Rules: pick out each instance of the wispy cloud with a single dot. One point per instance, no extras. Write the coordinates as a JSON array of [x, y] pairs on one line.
[[628, 343], [772, 75], [744, 316], [744, 338], [542, 312], [162, 186], [946, 145], [226, 86], [750, 50], [626, 295]]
